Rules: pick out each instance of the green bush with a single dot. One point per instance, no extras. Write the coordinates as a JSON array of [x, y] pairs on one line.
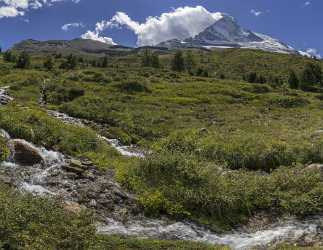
[[31, 223], [183, 187], [58, 94], [4, 150], [133, 86], [288, 102]]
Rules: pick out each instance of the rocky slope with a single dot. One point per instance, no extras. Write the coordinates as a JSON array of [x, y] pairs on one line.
[[76, 46]]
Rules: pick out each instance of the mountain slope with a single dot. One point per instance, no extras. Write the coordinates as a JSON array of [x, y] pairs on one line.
[[227, 33], [82, 46]]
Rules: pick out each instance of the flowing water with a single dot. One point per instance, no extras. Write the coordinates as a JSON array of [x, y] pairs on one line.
[[128, 151], [32, 178], [287, 231]]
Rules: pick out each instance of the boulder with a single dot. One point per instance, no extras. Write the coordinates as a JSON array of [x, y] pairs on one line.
[[315, 167], [24, 153], [73, 207], [75, 166]]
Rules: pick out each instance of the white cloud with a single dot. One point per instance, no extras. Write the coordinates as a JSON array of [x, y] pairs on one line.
[[180, 23], [310, 52], [256, 12], [313, 52], [68, 26], [95, 36], [14, 8], [307, 3], [9, 12]]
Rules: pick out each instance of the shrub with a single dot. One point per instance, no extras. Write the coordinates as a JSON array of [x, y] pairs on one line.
[[288, 102], [28, 222], [58, 94], [181, 186], [133, 86]]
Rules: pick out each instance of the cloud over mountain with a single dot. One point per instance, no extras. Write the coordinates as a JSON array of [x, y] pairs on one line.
[[180, 23]]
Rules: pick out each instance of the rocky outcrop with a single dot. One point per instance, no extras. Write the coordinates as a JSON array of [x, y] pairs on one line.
[[25, 153], [4, 97], [81, 182], [316, 168]]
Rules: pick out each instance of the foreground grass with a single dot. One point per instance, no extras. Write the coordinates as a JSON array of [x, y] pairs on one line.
[[31, 223], [117, 243]]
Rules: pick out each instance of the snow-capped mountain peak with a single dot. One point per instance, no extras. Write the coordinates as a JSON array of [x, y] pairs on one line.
[[227, 33]]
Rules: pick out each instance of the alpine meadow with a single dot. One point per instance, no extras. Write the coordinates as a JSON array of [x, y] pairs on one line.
[[202, 135]]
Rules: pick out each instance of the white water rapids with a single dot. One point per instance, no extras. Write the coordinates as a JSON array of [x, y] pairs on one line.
[[36, 180], [128, 151], [287, 231]]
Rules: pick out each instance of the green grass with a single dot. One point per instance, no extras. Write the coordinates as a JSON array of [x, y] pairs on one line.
[[117, 243]]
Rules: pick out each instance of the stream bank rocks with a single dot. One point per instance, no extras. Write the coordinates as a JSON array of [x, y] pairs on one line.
[[25, 153], [80, 182]]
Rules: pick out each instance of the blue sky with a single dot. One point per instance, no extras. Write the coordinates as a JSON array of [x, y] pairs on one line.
[[296, 22]]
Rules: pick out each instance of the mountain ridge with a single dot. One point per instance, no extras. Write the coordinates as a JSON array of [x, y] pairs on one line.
[[78, 45], [227, 33]]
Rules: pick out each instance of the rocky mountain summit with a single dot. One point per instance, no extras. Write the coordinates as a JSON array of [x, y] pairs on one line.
[[227, 33]]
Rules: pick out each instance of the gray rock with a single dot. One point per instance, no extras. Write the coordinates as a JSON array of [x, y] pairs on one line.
[[315, 167], [25, 153]]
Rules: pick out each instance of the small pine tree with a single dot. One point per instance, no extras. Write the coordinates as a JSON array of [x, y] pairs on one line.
[[23, 61], [178, 62], [190, 62], [251, 77], [49, 63], [293, 80], [146, 58], [105, 62], [8, 56], [72, 61], [155, 63], [261, 79], [311, 75]]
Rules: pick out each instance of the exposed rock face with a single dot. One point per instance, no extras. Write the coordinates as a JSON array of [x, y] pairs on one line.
[[25, 153], [79, 181], [4, 97]]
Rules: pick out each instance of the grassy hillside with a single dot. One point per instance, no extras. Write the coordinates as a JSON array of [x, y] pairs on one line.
[[222, 150]]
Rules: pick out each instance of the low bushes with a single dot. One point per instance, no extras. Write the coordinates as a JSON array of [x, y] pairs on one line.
[[182, 186], [28, 222], [133, 86], [252, 151], [288, 102], [56, 94]]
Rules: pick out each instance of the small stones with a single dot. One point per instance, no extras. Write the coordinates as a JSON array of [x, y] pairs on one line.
[[93, 203], [73, 207]]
